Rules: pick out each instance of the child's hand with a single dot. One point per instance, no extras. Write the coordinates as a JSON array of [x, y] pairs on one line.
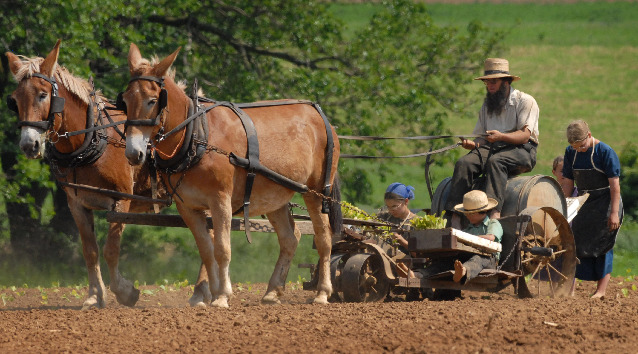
[[488, 237], [613, 222], [399, 238]]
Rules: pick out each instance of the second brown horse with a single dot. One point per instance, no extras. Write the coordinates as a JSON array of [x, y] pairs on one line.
[[292, 140]]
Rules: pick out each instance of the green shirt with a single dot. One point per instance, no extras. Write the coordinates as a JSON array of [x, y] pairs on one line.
[[486, 227]]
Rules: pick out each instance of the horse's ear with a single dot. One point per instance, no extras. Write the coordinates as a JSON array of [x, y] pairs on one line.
[[162, 67], [14, 63], [48, 65], [134, 58]]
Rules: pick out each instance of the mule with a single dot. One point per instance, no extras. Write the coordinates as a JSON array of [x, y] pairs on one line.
[[51, 102], [293, 141]]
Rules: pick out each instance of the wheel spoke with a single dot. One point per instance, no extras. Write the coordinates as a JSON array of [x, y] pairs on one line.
[[527, 242], [535, 270], [557, 271], [534, 233], [544, 229], [549, 240], [551, 283]]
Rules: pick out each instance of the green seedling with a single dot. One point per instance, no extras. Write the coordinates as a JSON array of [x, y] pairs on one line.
[[6, 298], [44, 296], [178, 285]]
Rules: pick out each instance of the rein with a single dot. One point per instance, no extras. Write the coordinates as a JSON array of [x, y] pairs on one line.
[[428, 137]]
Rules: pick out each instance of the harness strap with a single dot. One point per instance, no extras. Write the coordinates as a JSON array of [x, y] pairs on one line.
[[113, 124], [327, 186], [252, 151]]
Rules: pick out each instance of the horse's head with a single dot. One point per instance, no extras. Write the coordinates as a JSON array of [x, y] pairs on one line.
[[146, 102], [35, 100]]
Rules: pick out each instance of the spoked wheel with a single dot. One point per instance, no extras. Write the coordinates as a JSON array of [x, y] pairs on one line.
[[363, 279], [548, 254]]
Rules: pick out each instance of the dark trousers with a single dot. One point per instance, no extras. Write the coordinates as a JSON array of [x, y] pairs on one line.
[[497, 166], [476, 264]]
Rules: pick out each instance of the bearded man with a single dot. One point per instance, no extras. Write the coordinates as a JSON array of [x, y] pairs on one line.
[[508, 129]]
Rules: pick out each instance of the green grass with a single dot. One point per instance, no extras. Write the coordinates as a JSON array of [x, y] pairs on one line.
[[580, 24], [626, 250]]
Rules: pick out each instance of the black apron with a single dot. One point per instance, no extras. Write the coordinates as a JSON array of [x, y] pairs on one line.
[[591, 233]]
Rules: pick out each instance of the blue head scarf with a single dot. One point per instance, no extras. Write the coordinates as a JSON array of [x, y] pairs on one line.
[[401, 189]]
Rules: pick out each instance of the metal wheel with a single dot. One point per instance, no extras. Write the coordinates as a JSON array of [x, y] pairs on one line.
[[337, 263], [548, 254], [363, 279]]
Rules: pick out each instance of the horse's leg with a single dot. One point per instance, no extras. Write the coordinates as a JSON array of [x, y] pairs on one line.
[[323, 242], [202, 292], [124, 289], [222, 217], [84, 220], [196, 222], [288, 236]]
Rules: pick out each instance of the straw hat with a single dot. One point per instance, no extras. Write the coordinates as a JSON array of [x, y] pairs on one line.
[[475, 201], [496, 68]]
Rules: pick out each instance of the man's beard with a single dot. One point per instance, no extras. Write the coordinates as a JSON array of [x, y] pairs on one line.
[[497, 100]]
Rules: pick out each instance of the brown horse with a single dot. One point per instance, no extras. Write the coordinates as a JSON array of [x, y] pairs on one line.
[[42, 84], [292, 140]]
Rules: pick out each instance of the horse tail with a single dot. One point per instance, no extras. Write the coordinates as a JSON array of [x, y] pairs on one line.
[[335, 216]]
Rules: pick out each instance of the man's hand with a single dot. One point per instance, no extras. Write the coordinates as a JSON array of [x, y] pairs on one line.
[[494, 136], [469, 144]]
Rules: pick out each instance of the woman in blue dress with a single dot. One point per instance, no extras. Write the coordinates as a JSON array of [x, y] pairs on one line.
[[595, 168]]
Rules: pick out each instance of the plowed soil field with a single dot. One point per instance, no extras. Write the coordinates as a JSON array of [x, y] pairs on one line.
[[50, 320]]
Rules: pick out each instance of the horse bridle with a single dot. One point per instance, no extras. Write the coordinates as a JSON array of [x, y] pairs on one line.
[[56, 105], [162, 102]]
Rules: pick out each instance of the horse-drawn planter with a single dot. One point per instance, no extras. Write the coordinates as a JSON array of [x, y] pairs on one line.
[[537, 256]]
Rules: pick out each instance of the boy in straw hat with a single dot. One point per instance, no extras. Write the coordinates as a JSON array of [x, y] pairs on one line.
[[475, 207], [507, 131]]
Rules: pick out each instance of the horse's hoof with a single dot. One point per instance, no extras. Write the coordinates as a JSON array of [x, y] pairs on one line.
[[221, 302], [200, 304], [196, 300], [201, 294], [129, 299], [93, 303], [270, 299], [321, 299]]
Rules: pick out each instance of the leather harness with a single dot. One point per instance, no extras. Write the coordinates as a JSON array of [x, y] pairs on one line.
[[195, 145]]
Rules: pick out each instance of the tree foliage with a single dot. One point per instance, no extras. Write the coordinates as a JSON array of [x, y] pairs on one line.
[[400, 75]]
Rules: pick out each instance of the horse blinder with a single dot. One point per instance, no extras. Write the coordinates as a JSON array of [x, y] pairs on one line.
[[12, 104], [119, 102], [57, 105], [163, 99]]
